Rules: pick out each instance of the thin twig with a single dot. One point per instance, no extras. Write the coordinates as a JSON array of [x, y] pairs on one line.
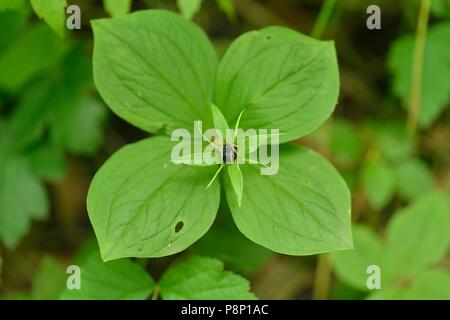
[[415, 102]]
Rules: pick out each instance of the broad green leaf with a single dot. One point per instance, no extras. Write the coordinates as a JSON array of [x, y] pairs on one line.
[[22, 197], [143, 205], [154, 69], [200, 278], [436, 70], [11, 4], [114, 280], [49, 280], [351, 265], [237, 181], [34, 52], [117, 8], [284, 79], [419, 235], [303, 209], [378, 180], [430, 285], [413, 179], [53, 12], [189, 8]]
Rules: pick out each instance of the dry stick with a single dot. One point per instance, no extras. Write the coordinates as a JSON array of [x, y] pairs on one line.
[[415, 102]]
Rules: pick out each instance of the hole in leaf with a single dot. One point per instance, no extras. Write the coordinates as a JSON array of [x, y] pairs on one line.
[[179, 226]]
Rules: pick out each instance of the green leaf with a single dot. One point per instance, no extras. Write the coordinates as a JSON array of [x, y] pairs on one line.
[[143, 205], [82, 130], [413, 179], [47, 162], [351, 265], [419, 235], [237, 181], [189, 8], [11, 25], [227, 6], [22, 197], [114, 280], [154, 69], [391, 139], [430, 285], [346, 144], [35, 51], [303, 209], [49, 280], [11, 4], [441, 8], [219, 120], [378, 180], [436, 70], [389, 293], [284, 79], [117, 8], [203, 279], [53, 12]]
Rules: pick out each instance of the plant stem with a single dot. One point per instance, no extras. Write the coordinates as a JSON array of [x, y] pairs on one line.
[[155, 294], [415, 102], [323, 18], [322, 278]]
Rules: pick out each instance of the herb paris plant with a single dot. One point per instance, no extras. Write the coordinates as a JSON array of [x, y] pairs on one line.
[[159, 71]]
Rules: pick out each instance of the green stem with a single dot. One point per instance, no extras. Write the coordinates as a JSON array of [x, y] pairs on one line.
[[322, 278], [323, 18], [415, 102], [155, 294]]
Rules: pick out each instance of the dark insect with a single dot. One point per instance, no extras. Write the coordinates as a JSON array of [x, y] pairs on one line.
[[229, 153]]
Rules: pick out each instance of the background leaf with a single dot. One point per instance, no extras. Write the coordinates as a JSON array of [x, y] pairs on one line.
[[117, 8], [114, 280], [413, 179], [379, 183], [35, 51], [189, 8], [351, 265], [203, 279], [419, 235], [435, 88]]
